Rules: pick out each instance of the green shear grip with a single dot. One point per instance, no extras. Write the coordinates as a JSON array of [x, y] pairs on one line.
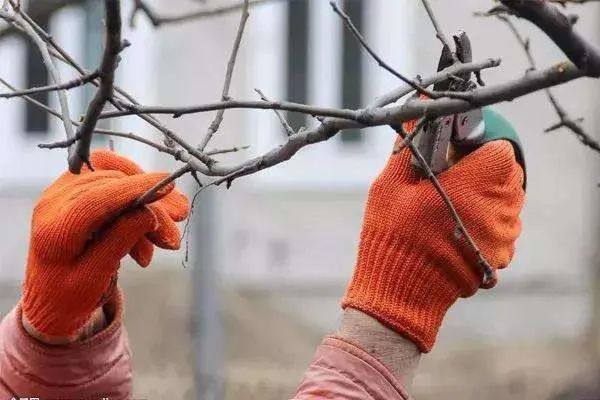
[[498, 128]]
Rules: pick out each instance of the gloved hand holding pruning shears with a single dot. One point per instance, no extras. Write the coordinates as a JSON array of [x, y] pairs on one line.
[[411, 267]]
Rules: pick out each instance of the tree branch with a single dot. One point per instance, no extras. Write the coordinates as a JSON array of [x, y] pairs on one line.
[[415, 85], [229, 150], [286, 126], [565, 2], [177, 112], [158, 20], [216, 123], [508, 91], [482, 263], [66, 143], [559, 29], [51, 88], [112, 48], [439, 33], [151, 194]]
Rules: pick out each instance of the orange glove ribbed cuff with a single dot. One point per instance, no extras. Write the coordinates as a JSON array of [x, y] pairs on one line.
[[413, 300]]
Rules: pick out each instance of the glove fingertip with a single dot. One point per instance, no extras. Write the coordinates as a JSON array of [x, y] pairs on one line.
[[177, 205], [142, 252], [167, 234]]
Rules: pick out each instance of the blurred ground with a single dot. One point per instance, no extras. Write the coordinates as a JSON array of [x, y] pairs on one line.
[[268, 348]]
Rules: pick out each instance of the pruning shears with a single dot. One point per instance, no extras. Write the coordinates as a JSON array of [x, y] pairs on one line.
[[444, 139]]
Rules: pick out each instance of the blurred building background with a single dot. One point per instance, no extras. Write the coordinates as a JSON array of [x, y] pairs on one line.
[[271, 256]]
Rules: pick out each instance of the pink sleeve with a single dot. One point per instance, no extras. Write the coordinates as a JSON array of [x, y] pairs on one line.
[[343, 371], [94, 368]]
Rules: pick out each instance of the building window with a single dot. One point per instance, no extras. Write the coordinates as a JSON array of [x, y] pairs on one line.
[[297, 59], [36, 119], [352, 71]]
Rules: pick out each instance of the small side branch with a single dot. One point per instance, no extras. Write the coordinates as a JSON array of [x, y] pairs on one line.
[[158, 20], [234, 149], [439, 33], [52, 88], [415, 85], [216, 123], [286, 126], [482, 263], [229, 104], [104, 93]]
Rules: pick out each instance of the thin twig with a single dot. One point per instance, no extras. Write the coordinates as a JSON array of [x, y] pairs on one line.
[[140, 5], [176, 112], [488, 95], [107, 78], [483, 264], [286, 126], [158, 20], [216, 123], [225, 151], [415, 85], [51, 88], [439, 33]]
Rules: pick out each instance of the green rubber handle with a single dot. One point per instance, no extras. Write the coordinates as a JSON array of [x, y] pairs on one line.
[[498, 128]]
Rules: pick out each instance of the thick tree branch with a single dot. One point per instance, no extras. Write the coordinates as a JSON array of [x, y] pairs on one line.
[[565, 2], [508, 91], [112, 48], [328, 128]]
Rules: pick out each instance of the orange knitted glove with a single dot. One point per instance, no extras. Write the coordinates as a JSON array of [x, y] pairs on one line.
[[411, 268], [81, 229]]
